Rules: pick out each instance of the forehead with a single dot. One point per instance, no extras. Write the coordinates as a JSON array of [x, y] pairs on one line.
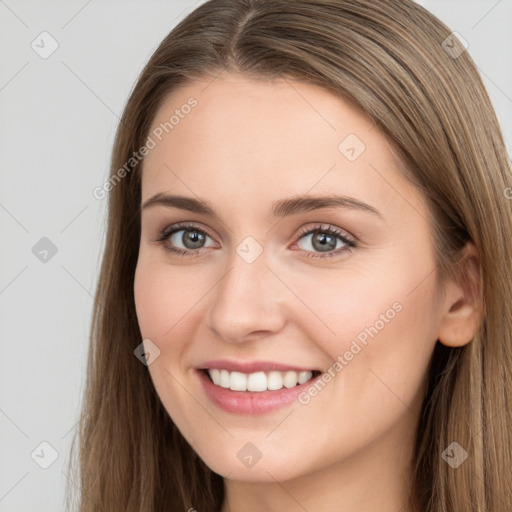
[[245, 138]]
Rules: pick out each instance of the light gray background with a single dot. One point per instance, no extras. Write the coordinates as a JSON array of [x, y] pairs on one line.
[[58, 118]]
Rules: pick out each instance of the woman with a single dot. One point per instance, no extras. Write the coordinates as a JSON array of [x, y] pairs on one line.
[[305, 297]]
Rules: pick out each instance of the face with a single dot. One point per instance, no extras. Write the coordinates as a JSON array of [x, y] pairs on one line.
[[344, 289]]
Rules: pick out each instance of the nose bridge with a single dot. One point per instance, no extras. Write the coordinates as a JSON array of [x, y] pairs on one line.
[[247, 298]]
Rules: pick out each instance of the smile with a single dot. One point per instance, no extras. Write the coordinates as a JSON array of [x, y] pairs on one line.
[[255, 393], [259, 381]]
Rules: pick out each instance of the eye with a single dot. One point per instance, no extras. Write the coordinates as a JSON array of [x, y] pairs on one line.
[[191, 237], [326, 239]]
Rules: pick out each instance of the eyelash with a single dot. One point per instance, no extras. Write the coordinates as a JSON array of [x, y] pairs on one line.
[[166, 233]]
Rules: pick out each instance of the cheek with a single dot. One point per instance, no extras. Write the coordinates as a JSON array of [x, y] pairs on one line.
[[385, 351], [378, 327], [352, 305], [380, 355], [380, 311], [165, 298], [385, 301], [165, 313]]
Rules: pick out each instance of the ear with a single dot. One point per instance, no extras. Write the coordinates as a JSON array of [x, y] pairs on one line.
[[462, 311]]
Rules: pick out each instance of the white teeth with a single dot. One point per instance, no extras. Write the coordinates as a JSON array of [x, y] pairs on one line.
[[215, 375], [274, 381], [304, 377], [258, 381], [238, 381], [224, 379]]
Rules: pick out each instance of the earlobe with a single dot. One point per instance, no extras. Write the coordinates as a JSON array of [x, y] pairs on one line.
[[462, 311]]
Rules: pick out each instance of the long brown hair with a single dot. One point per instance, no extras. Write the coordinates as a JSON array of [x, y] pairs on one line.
[[401, 67]]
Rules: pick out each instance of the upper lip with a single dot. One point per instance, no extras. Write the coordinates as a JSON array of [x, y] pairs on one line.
[[251, 366]]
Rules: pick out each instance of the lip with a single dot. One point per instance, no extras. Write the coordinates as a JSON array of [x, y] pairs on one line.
[[251, 366], [251, 403]]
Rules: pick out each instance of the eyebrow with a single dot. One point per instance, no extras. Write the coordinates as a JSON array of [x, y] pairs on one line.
[[281, 208]]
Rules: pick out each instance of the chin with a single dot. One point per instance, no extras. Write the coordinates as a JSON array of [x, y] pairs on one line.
[[236, 464]]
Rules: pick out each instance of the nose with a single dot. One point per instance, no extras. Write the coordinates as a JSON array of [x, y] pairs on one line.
[[248, 302]]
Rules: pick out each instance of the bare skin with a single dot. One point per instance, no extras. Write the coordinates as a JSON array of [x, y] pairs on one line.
[[246, 144]]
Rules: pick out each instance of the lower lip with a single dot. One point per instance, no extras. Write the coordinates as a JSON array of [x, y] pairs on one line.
[[251, 403]]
